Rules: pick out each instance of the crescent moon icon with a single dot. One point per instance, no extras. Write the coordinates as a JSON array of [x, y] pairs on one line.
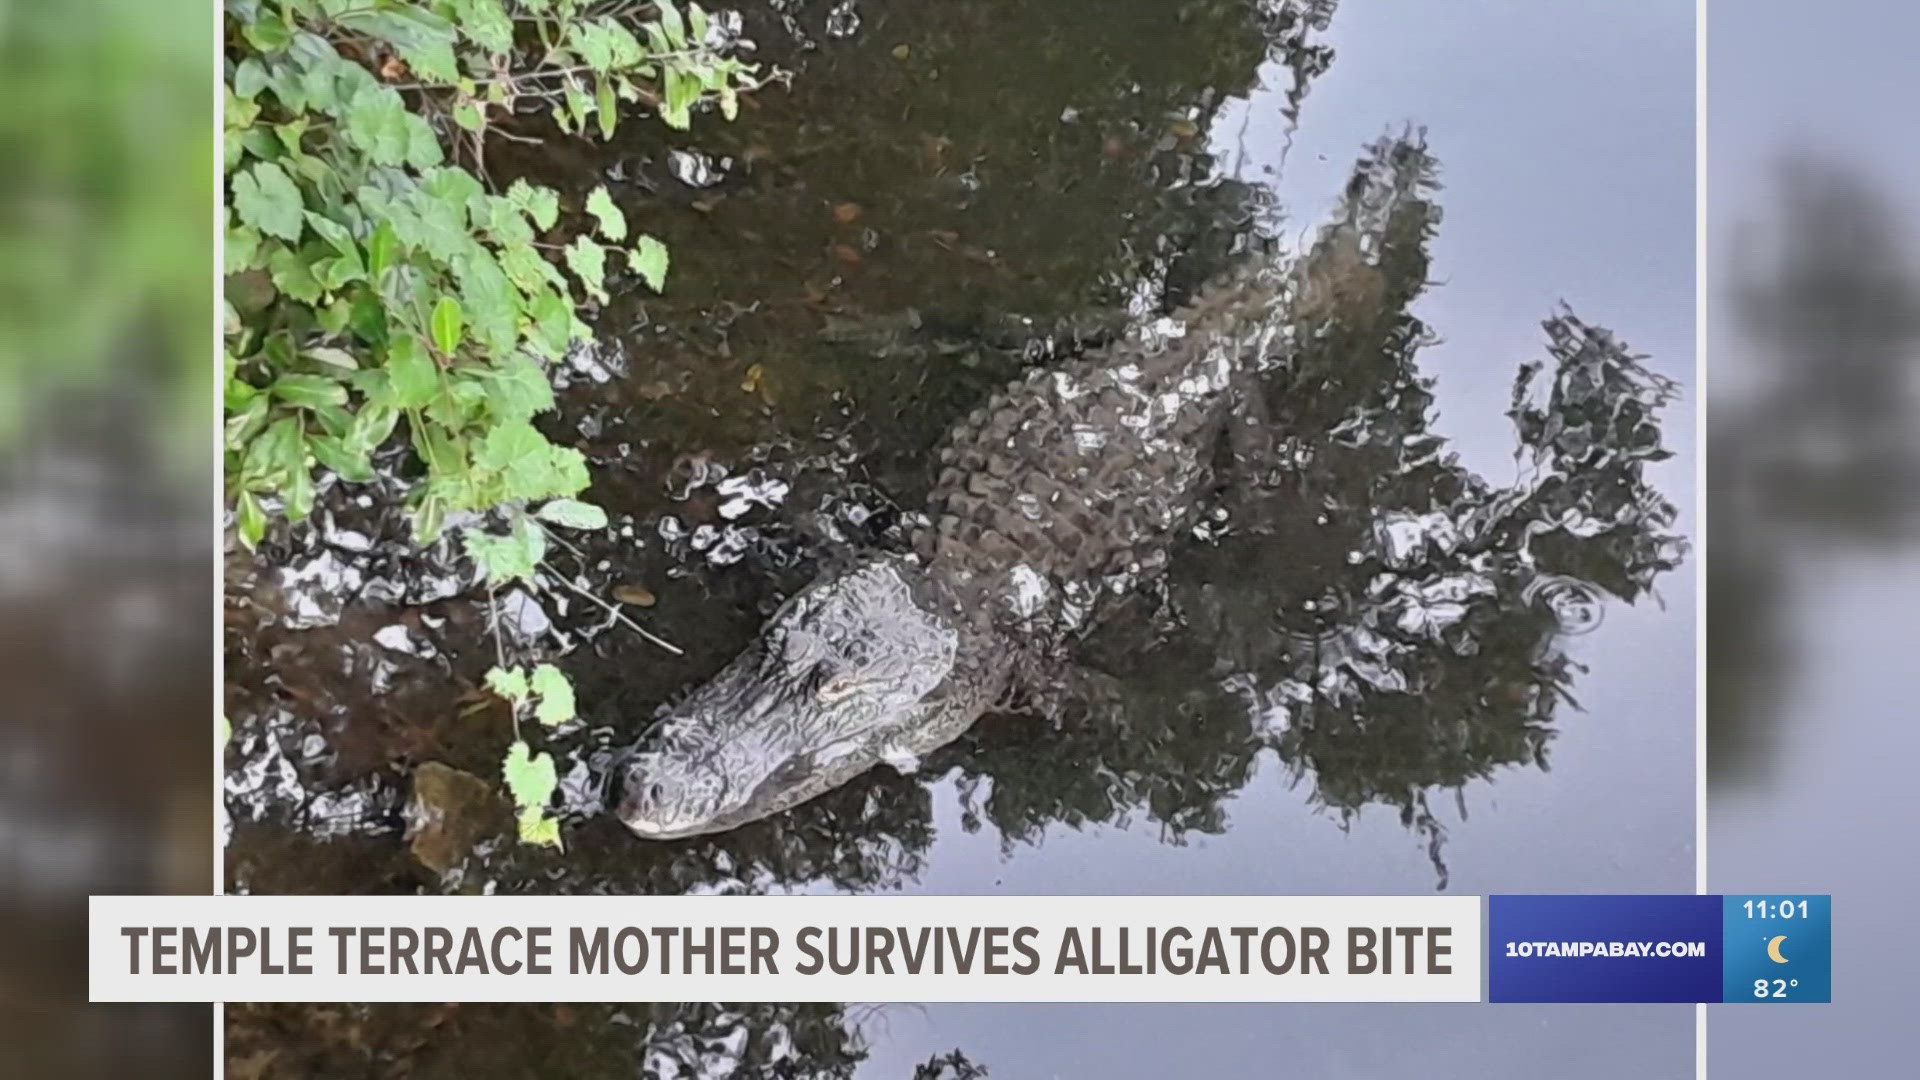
[[1773, 950]]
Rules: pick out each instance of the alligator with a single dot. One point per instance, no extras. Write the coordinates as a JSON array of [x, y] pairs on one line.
[[1053, 501]]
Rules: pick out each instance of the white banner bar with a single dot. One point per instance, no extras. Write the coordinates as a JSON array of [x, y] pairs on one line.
[[785, 948]]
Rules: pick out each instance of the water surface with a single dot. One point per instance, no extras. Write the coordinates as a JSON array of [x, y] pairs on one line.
[[948, 195]]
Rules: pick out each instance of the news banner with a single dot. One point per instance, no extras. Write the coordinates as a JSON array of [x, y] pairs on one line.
[[1756, 949]]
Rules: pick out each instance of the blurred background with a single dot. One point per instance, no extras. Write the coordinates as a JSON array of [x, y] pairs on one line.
[[106, 497], [1813, 569]]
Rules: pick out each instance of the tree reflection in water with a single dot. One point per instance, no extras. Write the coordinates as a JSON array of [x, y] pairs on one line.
[[1385, 621]]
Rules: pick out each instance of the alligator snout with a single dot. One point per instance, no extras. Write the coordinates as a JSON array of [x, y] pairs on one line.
[[663, 801]]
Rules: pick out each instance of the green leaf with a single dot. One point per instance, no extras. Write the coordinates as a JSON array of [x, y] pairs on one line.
[[334, 419], [552, 323], [309, 391], [591, 41], [697, 23], [510, 446], [333, 318], [339, 358], [335, 234], [446, 325], [421, 37], [500, 559], [445, 454], [556, 705], [541, 203], [527, 270], [605, 109], [268, 33], [573, 514], [627, 52], [371, 427], [487, 25], [429, 515], [243, 248], [312, 80], [568, 471], [251, 519], [537, 828], [240, 115], [532, 540], [676, 106], [524, 465], [505, 221], [347, 462], [508, 683], [266, 199], [264, 461], [492, 303], [377, 123], [249, 78], [650, 262], [613, 224], [293, 275], [382, 246], [423, 146], [415, 378], [335, 273], [434, 60], [299, 486], [441, 225], [247, 414], [530, 777], [545, 208], [261, 143], [454, 185], [588, 261], [467, 115], [671, 23], [572, 110], [516, 389]]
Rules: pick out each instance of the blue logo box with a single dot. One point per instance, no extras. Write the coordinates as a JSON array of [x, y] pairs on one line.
[[1604, 948], [1755, 949]]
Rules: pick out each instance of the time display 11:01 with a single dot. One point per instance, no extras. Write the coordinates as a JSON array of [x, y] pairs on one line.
[[1785, 909]]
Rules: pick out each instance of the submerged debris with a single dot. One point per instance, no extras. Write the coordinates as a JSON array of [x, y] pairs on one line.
[[449, 812]]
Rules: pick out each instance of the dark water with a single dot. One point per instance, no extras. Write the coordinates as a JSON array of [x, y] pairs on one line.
[[1350, 678]]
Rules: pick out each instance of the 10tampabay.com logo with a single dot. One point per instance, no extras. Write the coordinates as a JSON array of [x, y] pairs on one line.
[[1761, 949]]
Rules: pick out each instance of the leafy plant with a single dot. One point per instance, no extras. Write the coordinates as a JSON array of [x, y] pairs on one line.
[[374, 279], [546, 689], [530, 777], [531, 780]]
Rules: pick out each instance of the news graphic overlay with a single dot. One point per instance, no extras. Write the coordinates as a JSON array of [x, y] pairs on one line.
[[1779, 948], [1603, 948], [1654, 948], [784, 948]]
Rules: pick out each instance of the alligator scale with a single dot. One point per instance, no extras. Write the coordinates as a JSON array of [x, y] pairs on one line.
[[1054, 498]]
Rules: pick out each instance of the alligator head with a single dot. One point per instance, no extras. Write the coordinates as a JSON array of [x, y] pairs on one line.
[[842, 663]]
